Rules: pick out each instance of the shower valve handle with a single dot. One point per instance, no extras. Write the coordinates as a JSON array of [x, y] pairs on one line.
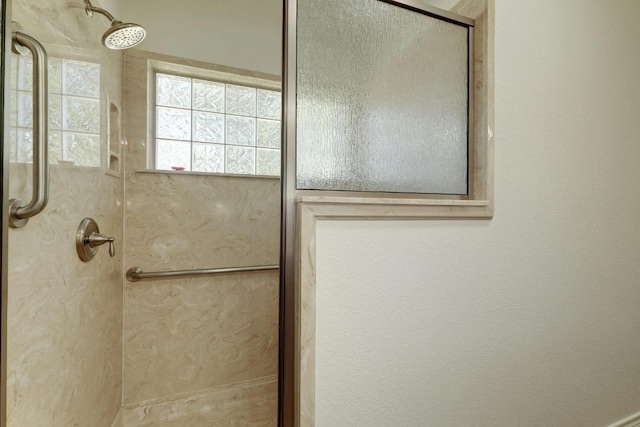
[[97, 239], [88, 238]]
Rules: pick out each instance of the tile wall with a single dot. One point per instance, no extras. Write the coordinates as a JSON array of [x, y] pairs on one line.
[[64, 335], [196, 343], [83, 341]]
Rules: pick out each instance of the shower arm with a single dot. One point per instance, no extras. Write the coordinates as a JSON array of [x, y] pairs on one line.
[[90, 8]]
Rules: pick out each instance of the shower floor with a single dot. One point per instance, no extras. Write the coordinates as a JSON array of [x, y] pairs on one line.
[[249, 403]]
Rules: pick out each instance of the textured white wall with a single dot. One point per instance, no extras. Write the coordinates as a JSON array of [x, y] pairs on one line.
[[533, 318], [237, 33]]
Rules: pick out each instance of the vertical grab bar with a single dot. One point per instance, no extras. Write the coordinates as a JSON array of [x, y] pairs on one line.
[[20, 211]]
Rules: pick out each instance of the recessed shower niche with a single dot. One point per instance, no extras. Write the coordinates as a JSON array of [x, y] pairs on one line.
[[114, 138]]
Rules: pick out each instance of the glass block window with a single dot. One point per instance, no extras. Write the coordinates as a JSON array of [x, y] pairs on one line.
[[209, 126], [74, 111]]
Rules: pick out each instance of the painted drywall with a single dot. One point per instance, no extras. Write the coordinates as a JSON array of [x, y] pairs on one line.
[[244, 34], [530, 319], [114, 7]]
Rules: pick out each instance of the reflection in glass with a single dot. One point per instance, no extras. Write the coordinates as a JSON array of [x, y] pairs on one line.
[[81, 114], [74, 111], [81, 79], [81, 148]]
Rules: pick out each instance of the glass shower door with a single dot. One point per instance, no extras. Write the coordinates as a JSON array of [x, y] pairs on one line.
[[63, 315]]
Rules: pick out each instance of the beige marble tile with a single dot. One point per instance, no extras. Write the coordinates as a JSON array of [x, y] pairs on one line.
[[64, 358], [184, 335], [177, 221], [118, 421], [250, 403], [64, 339], [189, 334], [137, 121]]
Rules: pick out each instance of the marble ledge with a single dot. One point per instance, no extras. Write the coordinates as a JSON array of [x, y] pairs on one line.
[[248, 403], [205, 174]]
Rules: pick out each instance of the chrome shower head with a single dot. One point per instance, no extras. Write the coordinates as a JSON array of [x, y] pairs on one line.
[[123, 36], [120, 35]]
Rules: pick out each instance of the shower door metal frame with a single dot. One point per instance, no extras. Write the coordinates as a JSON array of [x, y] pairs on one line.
[[4, 185], [475, 204]]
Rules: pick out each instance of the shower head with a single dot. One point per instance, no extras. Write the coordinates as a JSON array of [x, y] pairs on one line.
[[120, 35], [123, 36]]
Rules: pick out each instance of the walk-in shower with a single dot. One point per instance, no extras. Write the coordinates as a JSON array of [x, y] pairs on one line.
[[193, 339]]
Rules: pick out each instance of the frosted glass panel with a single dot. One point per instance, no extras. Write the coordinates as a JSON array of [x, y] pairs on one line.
[[82, 149], [381, 99]]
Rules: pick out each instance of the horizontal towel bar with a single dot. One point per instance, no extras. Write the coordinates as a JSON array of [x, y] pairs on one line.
[[135, 274]]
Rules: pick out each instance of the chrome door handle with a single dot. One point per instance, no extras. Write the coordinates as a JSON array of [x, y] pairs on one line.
[[19, 210]]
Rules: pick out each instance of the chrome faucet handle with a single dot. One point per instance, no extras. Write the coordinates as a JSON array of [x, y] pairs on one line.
[[97, 239], [88, 238]]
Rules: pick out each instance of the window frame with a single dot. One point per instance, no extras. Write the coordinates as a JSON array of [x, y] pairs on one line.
[[476, 168]]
